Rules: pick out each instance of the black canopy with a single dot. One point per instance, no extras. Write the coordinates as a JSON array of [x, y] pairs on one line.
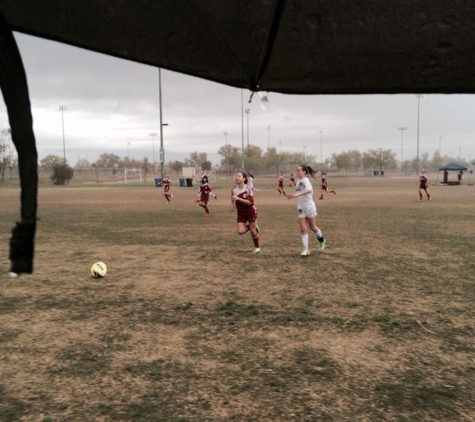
[[288, 46]]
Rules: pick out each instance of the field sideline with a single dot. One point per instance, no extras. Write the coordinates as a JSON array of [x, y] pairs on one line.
[[188, 325]]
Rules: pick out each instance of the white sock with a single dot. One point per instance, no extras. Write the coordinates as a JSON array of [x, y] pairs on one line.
[[305, 241], [319, 233]]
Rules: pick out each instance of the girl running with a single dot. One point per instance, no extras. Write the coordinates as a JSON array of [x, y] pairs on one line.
[[306, 207], [166, 188], [280, 186], [292, 180], [423, 184], [250, 182], [198, 193], [324, 187], [243, 200], [205, 190]]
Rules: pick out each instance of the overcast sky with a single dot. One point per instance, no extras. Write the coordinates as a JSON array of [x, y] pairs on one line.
[[113, 106]]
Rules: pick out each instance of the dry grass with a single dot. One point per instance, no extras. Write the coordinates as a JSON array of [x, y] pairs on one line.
[[188, 325]]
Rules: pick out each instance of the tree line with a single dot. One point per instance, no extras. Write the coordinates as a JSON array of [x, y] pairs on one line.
[[255, 160]]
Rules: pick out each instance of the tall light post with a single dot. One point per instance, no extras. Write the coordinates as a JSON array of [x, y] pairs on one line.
[[247, 112], [63, 108], [153, 147], [10, 146], [162, 150], [402, 129], [321, 145], [268, 137], [440, 144], [242, 129], [418, 96], [225, 138]]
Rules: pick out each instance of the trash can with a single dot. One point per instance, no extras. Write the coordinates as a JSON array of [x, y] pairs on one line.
[[189, 183], [382, 173], [158, 183], [182, 182], [376, 173]]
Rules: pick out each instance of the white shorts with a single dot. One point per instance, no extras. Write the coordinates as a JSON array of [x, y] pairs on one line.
[[308, 210]]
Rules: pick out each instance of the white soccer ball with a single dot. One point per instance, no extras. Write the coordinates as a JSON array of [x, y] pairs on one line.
[[99, 269]]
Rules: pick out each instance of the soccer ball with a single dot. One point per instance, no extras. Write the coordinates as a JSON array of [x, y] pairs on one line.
[[99, 269]]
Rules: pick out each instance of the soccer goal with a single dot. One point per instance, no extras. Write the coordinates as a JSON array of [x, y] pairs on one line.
[[132, 175]]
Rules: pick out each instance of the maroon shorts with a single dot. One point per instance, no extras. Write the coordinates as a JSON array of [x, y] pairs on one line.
[[251, 216]]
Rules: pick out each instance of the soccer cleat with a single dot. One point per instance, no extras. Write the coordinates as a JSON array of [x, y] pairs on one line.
[[428, 199], [420, 199], [216, 197], [206, 214], [305, 252], [321, 245], [334, 192], [256, 251], [321, 197]]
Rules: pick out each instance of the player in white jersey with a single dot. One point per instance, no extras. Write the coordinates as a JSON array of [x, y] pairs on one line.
[[306, 208], [250, 182]]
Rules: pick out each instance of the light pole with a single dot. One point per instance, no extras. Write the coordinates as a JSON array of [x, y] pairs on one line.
[[162, 150], [418, 96], [402, 129], [242, 129], [247, 112], [225, 138], [153, 147], [128, 156], [63, 109], [268, 137], [280, 146], [440, 144], [321, 145]]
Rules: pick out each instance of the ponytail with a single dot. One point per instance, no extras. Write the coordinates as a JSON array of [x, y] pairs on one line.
[[308, 170]]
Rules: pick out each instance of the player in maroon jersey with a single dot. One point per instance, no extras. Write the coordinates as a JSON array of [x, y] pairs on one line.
[[423, 184], [205, 191], [243, 200], [166, 188], [280, 185], [324, 186], [292, 180], [198, 193]]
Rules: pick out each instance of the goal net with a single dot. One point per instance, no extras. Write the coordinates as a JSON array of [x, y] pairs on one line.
[[132, 175]]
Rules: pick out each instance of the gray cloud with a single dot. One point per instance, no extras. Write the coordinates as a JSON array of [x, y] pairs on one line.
[[112, 101]]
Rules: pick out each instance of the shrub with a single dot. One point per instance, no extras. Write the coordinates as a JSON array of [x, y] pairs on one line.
[[62, 173]]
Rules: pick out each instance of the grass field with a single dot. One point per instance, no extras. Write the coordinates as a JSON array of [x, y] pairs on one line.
[[188, 325]]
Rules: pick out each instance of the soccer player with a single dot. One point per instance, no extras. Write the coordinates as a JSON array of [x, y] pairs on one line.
[[280, 185], [166, 188], [423, 184], [198, 194], [250, 182], [243, 200], [324, 187], [292, 180], [306, 207], [205, 190]]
